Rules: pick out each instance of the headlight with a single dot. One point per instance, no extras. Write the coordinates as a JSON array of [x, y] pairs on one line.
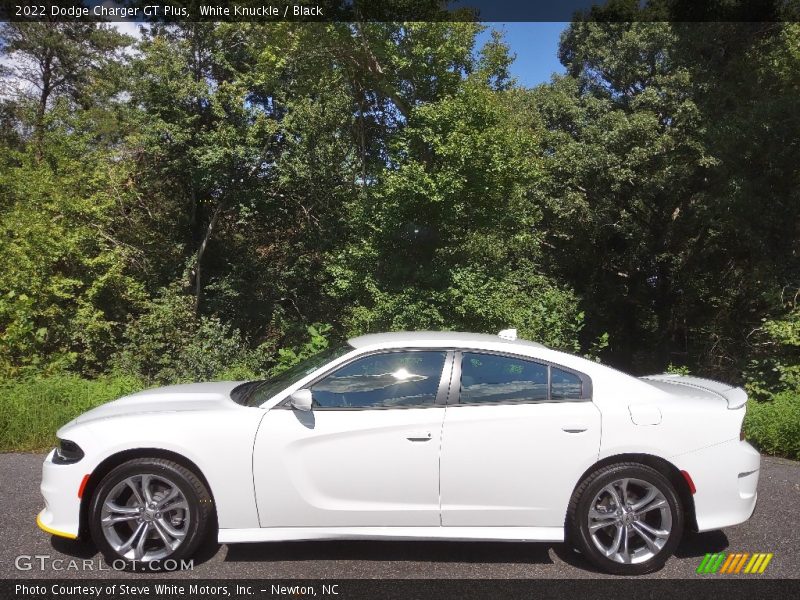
[[67, 452]]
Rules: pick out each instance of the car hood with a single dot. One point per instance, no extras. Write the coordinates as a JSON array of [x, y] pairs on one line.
[[172, 398]]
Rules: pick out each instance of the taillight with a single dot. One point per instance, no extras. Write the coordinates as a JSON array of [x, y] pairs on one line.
[[689, 481]]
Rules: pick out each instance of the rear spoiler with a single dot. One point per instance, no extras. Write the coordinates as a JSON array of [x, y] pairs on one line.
[[735, 396]]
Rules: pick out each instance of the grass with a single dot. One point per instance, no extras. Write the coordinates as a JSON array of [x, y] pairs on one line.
[[32, 410], [774, 426]]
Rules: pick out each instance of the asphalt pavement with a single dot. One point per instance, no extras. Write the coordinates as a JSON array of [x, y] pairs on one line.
[[773, 528]]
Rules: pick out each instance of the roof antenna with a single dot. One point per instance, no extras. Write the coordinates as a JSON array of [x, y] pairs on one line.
[[508, 334]]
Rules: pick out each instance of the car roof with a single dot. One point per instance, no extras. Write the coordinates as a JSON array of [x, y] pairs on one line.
[[455, 339]]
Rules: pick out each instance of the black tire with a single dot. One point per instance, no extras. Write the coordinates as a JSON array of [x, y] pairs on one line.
[[578, 518], [197, 519]]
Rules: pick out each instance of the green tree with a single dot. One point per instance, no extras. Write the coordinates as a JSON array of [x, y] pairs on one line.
[[664, 227], [65, 286], [51, 60], [447, 236]]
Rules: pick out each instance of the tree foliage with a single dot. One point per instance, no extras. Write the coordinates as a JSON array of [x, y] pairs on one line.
[[671, 202], [188, 205]]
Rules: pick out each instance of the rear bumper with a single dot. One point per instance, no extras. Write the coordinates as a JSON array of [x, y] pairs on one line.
[[726, 477], [62, 506]]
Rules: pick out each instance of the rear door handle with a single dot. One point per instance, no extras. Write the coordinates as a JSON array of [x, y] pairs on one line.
[[420, 436], [574, 428]]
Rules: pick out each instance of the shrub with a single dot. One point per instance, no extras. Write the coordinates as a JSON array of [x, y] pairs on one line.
[[316, 343], [774, 426], [169, 344], [776, 366], [32, 410]]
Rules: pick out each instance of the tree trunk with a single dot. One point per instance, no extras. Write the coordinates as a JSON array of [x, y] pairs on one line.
[[198, 274], [41, 109]]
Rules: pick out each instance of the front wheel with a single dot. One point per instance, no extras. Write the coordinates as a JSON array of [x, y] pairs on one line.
[[148, 511], [626, 518]]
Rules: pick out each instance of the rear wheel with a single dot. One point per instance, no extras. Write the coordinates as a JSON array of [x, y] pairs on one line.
[[626, 518], [148, 511]]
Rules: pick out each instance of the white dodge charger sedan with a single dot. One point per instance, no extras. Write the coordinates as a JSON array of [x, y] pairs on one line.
[[415, 435]]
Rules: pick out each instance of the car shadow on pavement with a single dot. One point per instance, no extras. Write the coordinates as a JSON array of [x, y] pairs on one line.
[[695, 545], [83, 549], [369, 550], [692, 545]]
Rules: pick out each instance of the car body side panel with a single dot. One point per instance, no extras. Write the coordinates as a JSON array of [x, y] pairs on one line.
[[348, 468], [515, 464], [699, 434], [726, 478], [283, 534], [685, 424], [220, 443]]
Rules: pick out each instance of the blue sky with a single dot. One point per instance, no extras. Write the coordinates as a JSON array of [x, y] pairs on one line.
[[536, 47]]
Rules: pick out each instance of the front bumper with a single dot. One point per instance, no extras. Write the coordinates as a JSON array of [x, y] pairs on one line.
[[726, 478], [62, 505], [45, 517]]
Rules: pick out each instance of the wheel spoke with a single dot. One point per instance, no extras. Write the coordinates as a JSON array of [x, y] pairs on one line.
[[625, 554], [138, 553], [613, 493], [122, 510], [175, 533], [644, 500], [611, 550], [179, 505], [659, 533], [145, 483], [123, 549], [598, 520], [172, 494], [597, 526], [114, 519], [623, 488], [658, 502], [651, 545], [168, 541], [136, 492]]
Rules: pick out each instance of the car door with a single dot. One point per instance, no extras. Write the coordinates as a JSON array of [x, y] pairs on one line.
[[517, 436], [367, 454]]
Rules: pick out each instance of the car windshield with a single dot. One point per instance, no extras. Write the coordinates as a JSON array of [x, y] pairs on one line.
[[255, 393]]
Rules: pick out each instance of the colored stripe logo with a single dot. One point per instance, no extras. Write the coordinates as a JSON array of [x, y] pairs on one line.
[[741, 562]]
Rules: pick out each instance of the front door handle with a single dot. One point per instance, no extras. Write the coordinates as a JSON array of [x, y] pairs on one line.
[[574, 428], [420, 436]]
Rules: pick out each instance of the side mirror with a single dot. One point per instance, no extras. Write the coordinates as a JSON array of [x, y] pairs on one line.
[[301, 400]]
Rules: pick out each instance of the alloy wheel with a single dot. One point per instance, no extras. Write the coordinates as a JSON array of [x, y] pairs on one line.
[[145, 517], [629, 520]]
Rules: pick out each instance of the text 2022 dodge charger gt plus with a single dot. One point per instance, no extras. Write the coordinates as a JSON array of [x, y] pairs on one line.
[[417, 435]]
